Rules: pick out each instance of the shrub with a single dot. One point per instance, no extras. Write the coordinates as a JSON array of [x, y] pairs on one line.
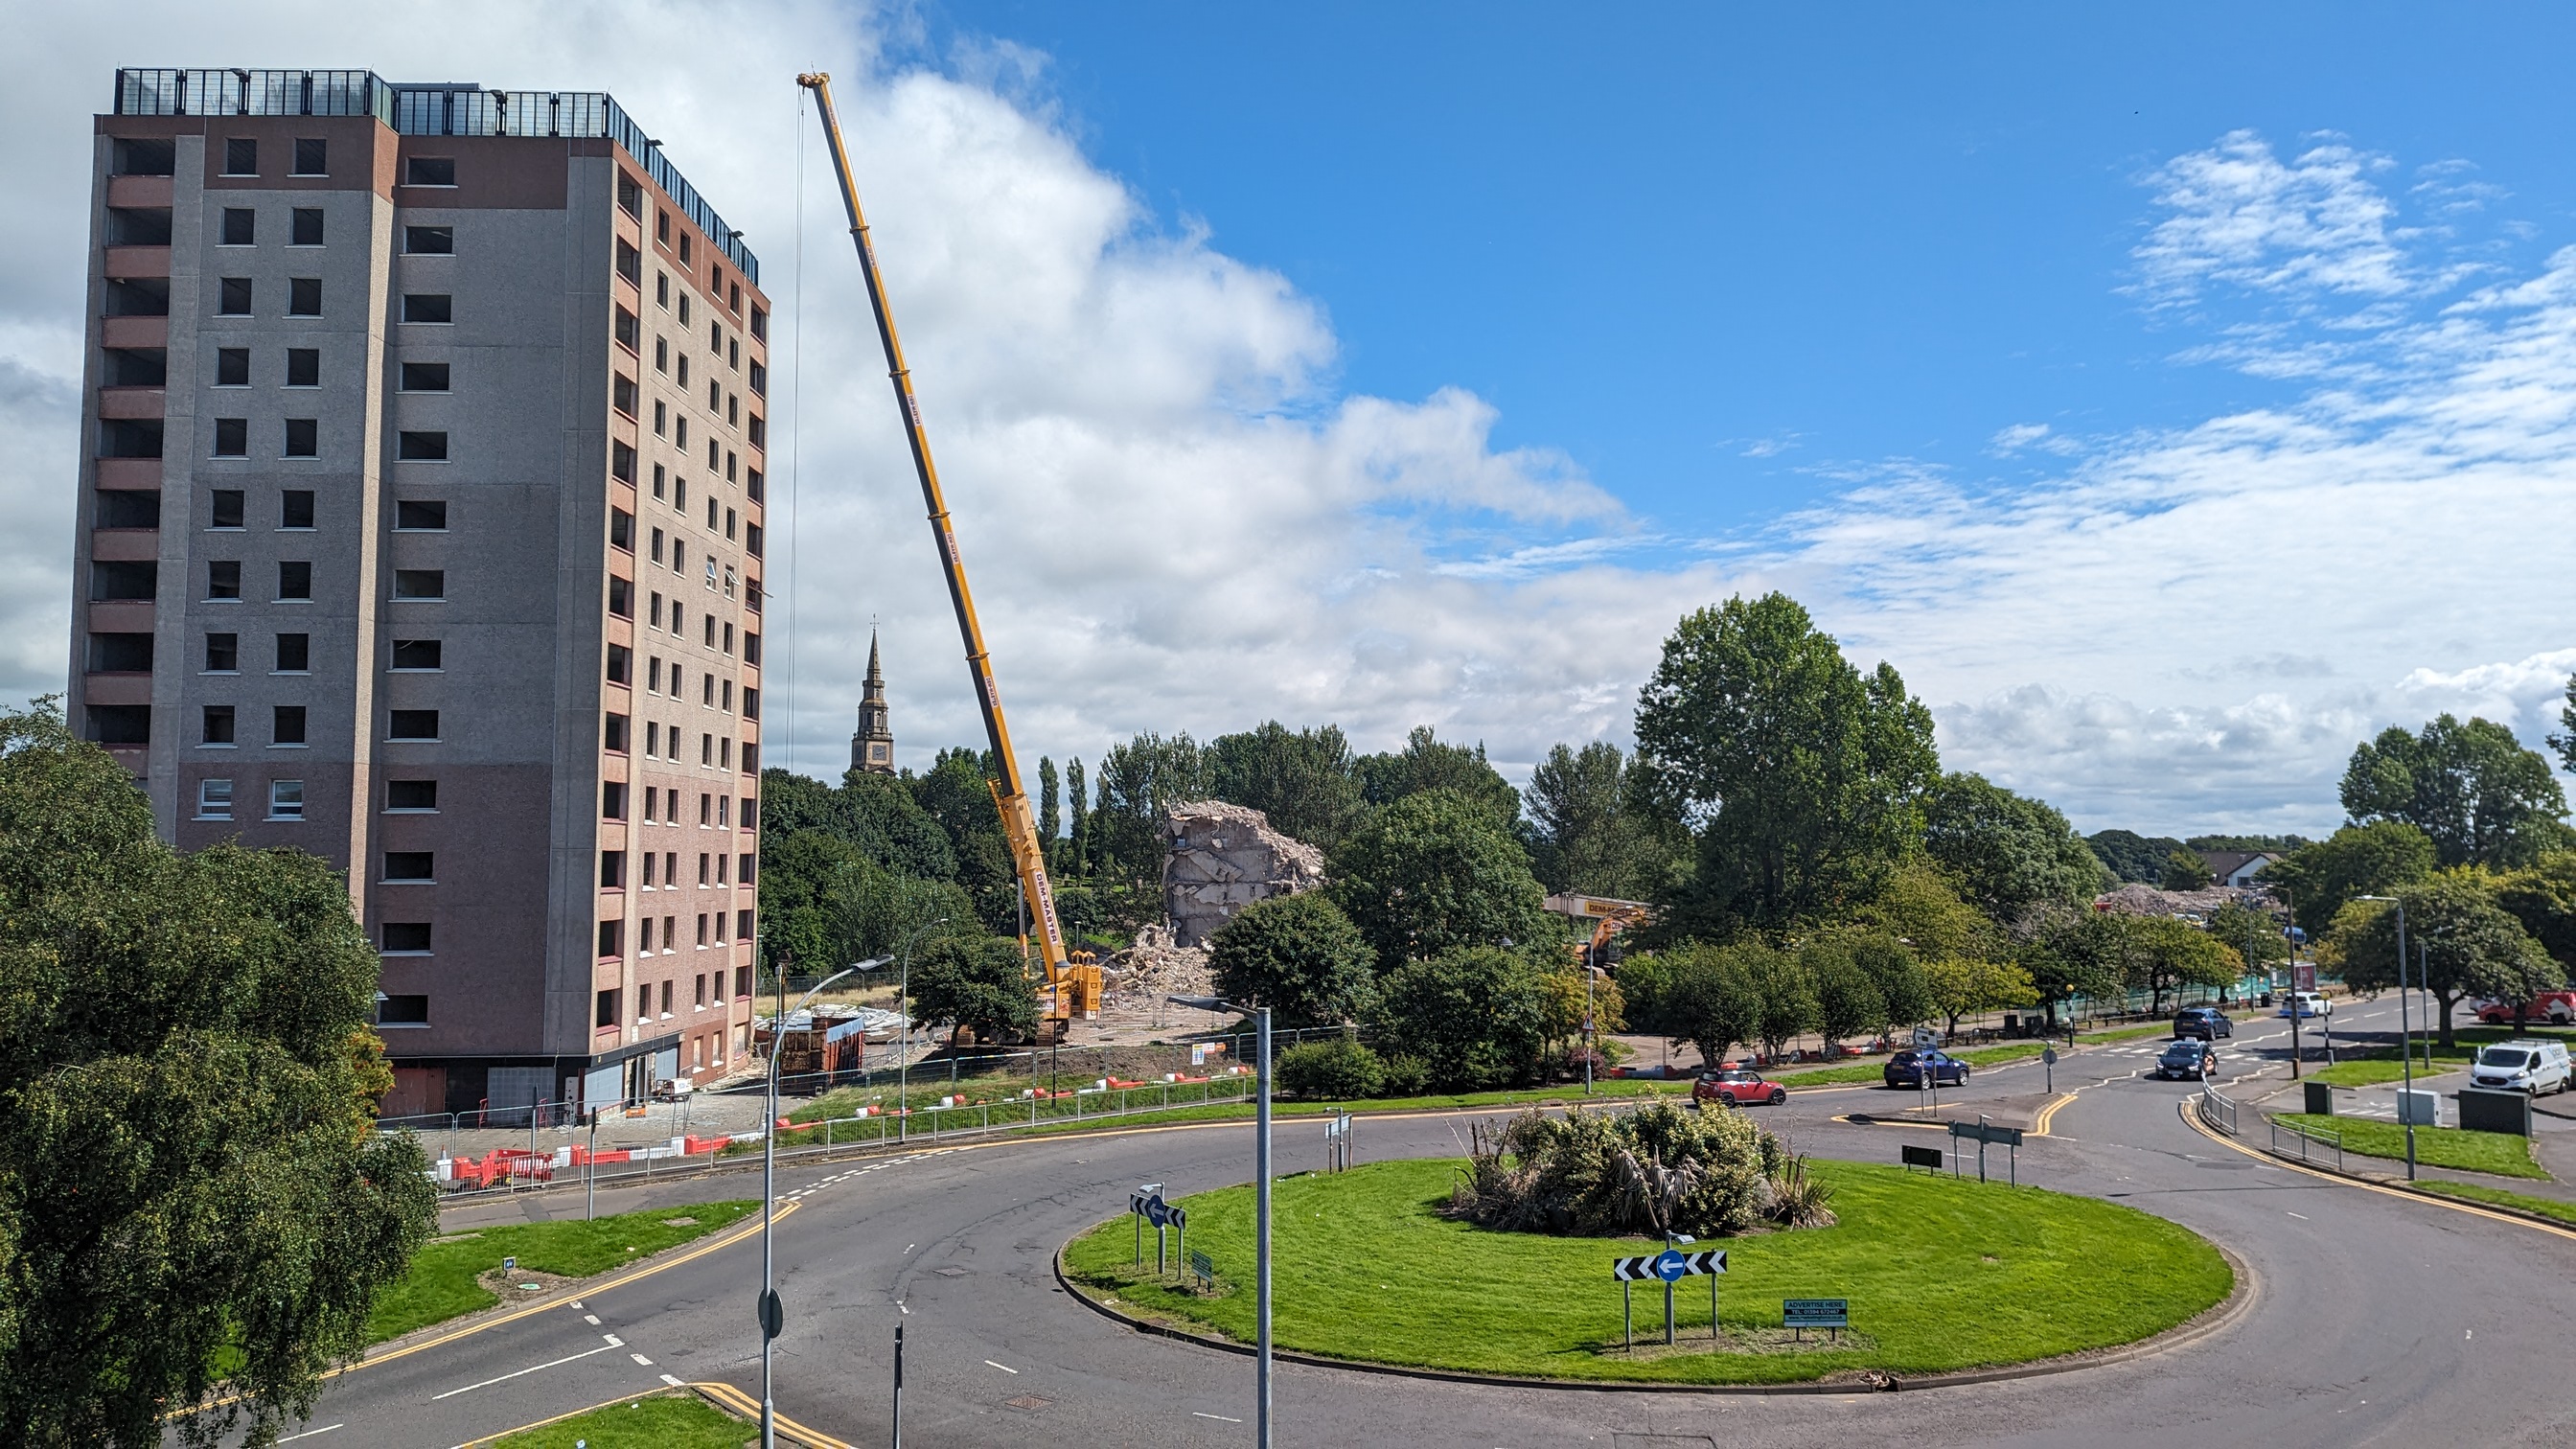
[[1476, 1016], [1331, 1070], [1656, 1170], [1298, 955], [1405, 1075]]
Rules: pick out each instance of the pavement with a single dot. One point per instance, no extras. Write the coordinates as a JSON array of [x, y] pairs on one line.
[[2372, 1315]]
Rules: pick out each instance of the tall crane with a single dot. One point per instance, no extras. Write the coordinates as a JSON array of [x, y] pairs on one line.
[[1072, 984]]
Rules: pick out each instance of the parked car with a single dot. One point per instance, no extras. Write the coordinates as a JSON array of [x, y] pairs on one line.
[[2305, 1003], [2189, 1059], [1736, 1087], [1908, 1069], [2558, 1008], [2522, 1066], [2205, 1022]]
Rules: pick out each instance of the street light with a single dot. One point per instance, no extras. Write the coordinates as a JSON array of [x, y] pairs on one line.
[[2405, 1036], [771, 1313], [1260, 1200]]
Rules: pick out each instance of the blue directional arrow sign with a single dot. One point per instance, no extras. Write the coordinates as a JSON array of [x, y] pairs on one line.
[[1671, 1266]]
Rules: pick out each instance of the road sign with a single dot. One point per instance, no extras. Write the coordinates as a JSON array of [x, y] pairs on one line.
[[1920, 1156], [2303, 976], [773, 1314], [1815, 1313], [509, 1265], [1204, 1268], [1984, 1132], [1650, 1267], [2048, 1056]]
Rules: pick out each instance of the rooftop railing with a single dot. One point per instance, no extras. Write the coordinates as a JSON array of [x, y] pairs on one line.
[[443, 109]]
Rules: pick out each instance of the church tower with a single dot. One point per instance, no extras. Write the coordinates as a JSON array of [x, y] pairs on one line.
[[872, 748]]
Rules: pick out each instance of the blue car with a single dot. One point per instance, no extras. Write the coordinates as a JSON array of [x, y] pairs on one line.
[[1909, 1068]]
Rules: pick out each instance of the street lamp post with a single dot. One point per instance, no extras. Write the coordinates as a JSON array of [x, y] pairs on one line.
[[2405, 1037], [771, 1313], [1260, 1201]]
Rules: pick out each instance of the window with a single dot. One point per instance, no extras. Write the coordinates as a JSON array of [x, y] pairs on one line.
[[662, 288], [303, 367], [684, 261], [701, 999], [612, 870], [733, 296], [223, 579], [661, 354], [307, 230], [304, 296], [652, 737], [312, 156], [624, 396], [612, 806], [294, 653], [621, 462], [759, 381], [742, 925], [751, 539], [295, 508], [214, 799], [715, 396], [414, 724], [630, 262], [232, 437], [661, 418], [430, 241], [424, 377], [759, 431], [232, 367], [410, 865], [621, 529], [656, 617], [403, 1011], [422, 447], [216, 725], [684, 318], [295, 579], [606, 1014], [406, 938], [666, 998], [223, 653], [750, 647], [621, 597], [760, 323], [285, 799], [303, 438], [658, 476], [657, 545], [653, 678], [286, 726], [408, 796], [423, 584], [750, 702], [240, 226], [629, 333], [630, 196], [680, 494], [420, 515], [662, 228], [749, 867], [731, 518], [702, 930], [427, 307], [241, 156], [680, 428], [232, 297], [416, 654], [429, 171], [129, 508], [613, 735], [752, 484]]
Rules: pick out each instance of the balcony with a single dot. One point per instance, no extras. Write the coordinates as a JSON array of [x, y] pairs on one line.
[[133, 402], [125, 545], [134, 332], [116, 689], [138, 191], [126, 262]]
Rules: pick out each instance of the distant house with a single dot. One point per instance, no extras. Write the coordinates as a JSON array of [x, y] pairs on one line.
[[2237, 867]]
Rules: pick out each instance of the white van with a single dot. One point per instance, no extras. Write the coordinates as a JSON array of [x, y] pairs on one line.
[[2522, 1066]]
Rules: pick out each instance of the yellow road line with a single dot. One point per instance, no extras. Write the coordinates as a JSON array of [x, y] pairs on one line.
[[656, 1393], [2192, 1119], [2048, 1114], [727, 1396]]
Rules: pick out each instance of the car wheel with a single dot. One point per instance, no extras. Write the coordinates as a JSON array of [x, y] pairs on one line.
[[1781, 1094]]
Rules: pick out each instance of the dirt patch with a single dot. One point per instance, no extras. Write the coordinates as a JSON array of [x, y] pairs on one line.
[[522, 1284], [1769, 1342]]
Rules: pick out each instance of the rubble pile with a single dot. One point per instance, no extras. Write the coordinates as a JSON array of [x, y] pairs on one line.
[[2145, 900], [1224, 857], [1153, 968]]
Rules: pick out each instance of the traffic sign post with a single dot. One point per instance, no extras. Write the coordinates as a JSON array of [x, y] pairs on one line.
[[1667, 1267], [2048, 1063], [1982, 1134]]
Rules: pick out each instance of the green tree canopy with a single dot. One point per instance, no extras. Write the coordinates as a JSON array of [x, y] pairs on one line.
[[1140, 781], [977, 982], [1694, 992], [2468, 945], [1918, 906], [2357, 860], [1847, 999], [2565, 744], [1299, 956], [1786, 999], [2132, 857], [1590, 831], [2254, 935], [191, 1186], [1475, 1015], [1425, 763], [1895, 974], [1964, 986], [1435, 871], [2185, 870], [2543, 898], [2473, 788], [1304, 781], [1804, 776], [875, 813], [2008, 853], [1050, 812]]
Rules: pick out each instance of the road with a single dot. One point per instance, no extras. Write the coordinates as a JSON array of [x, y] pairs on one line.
[[2373, 1316]]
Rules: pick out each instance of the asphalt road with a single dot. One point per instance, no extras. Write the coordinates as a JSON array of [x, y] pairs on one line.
[[2374, 1316]]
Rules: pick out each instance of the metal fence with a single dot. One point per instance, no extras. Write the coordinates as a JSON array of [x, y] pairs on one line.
[[2218, 1110], [2302, 1141]]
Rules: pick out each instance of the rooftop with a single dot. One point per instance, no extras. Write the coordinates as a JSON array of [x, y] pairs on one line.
[[440, 108]]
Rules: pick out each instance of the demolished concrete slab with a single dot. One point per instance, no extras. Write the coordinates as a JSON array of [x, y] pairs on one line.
[[1224, 857]]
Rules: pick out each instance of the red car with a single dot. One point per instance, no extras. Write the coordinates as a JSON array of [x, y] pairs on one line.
[[1736, 1087], [2555, 1007]]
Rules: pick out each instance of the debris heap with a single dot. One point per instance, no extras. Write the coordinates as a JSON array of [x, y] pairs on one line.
[[1224, 857]]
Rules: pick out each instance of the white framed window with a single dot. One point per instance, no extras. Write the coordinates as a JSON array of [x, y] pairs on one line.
[[214, 799], [285, 799]]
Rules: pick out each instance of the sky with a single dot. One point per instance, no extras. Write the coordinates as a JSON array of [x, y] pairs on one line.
[[2175, 398]]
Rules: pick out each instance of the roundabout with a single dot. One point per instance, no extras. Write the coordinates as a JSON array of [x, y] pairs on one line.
[[1943, 1276]]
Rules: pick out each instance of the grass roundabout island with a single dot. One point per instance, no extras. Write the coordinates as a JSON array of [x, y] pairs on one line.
[[1943, 1275]]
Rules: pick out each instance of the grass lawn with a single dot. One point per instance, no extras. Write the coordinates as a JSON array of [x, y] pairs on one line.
[[1102, 1107], [660, 1421], [2373, 1066], [1875, 1069], [2499, 1153], [1942, 1274], [441, 1282], [2499, 1197]]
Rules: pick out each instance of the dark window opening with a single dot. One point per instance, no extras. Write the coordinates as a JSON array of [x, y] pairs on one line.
[[424, 377], [428, 307], [630, 262], [120, 724], [224, 508], [130, 438], [120, 653], [304, 367], [232, 367], [621, 664], [429, 171], [304, 296], [223, 579], [146, 156], [295, 508], [411, 794], [129, 508], [312, 156], [406, 935], [295, 579], [303, 438], [612, 800], [413, 515], [413, 724], [422, 447], [147, 367], [232, 298], [223, 653], [150, 297], [416, 654], [240, 227], [138, 226], [613, 733], [215, 725], [410, 865], [287, 725], [612, 870], [430, 241], [241, 156], [307, 230], [232, 437], [294, 653], [403, 1011], [420, 583], [621, 529], [630, 196], [606, 1014]]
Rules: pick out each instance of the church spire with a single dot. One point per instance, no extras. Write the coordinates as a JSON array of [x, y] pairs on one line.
[[872, 747]]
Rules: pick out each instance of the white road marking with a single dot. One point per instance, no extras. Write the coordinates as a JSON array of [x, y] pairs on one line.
[[1006, 1368], [2302, 1217], [591, 1318], [1201, 1414], [674, 1381], [613, 1340], [309, 1433], [487, 1383], [639, 1358]]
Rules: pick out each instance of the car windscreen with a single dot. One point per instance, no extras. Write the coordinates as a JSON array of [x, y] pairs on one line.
[[2504, 1057]]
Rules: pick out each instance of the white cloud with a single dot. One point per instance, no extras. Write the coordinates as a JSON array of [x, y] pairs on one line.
[[2239, 214]]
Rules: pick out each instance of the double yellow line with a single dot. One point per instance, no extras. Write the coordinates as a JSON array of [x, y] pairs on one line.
[[723, 1395]]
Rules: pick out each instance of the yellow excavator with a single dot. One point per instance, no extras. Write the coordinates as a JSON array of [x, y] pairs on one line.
[[1072, 989]]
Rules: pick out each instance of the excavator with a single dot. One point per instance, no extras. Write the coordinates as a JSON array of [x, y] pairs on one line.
[[1072, 979]]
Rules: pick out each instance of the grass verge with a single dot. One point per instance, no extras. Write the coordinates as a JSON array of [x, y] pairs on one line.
[[656, 1421], [1876, 1070], [2499, 1154], [2378, 1065], [442, 1281], [1942, 1273], [2502, 1197]]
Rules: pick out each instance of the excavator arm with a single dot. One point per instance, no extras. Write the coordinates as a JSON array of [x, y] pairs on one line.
[[1072, 986]]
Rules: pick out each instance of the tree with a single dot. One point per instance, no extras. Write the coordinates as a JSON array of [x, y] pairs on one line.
[[1563, 993], [1427, 764], [1435, 871], [1298, 955], [2007, 853], [1140, 781], [1589, 831], [1304, 782], [1962, 986], [1693, 992], [1847, 1000], [1916, 905], [977, 983], [1050, 822], [1895, 974], [2185, 870], [193, 1194], [2255, 936], [2565, 744], [1077, 805], [1785, 999], [2482, 797], [2164, 955], [2129, 856], [1475, 1015], [2543, 898], [2357, 860], [1804, 776], [2469, 945]]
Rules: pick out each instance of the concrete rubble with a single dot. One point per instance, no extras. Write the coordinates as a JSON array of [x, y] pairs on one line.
[[1224, 857], [2146, 900]]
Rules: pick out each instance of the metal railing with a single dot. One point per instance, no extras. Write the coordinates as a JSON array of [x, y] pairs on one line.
[[2302, 1138], [2218, 1110]]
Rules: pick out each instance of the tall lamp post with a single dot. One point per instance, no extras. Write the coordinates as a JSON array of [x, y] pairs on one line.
[[2405, 1036], [772, 1314], [1260, 1200]]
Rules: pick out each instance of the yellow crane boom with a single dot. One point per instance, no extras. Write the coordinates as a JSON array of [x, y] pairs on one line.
[[1073, 987]]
